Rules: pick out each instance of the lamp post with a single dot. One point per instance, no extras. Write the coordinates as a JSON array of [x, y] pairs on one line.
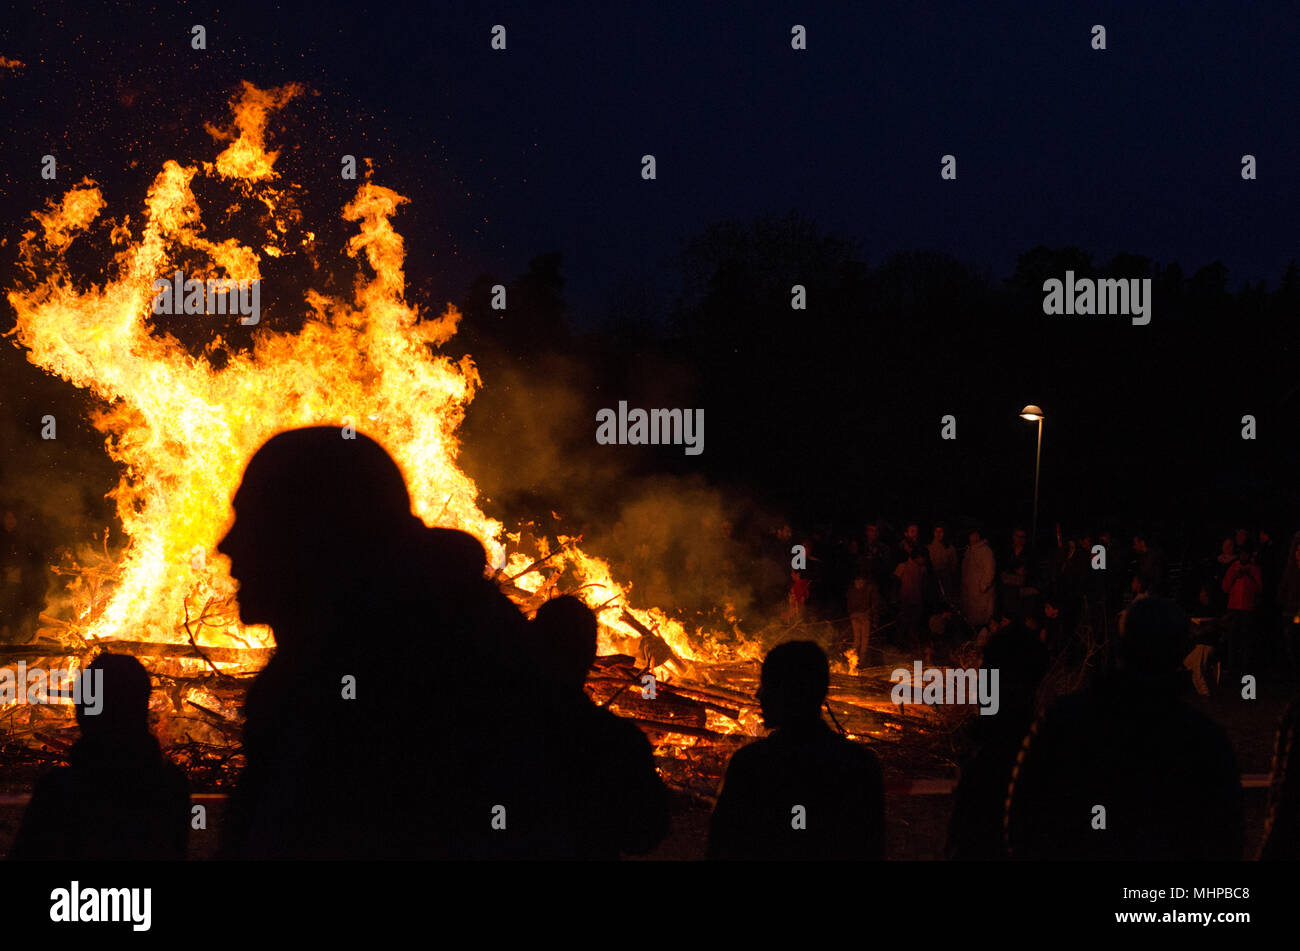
[[1032, 412]]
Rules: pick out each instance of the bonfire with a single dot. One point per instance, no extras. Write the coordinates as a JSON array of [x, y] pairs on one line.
[[182, 425]]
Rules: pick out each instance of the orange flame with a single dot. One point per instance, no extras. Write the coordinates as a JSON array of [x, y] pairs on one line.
[[183, 429]]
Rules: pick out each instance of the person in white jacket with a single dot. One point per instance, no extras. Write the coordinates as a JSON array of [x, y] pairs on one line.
[[977, 574]]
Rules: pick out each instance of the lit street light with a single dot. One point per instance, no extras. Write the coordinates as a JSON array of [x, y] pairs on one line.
[[1032, 412]]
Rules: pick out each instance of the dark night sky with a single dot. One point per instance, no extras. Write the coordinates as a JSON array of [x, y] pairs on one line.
[[1135, 148], [508, 155]]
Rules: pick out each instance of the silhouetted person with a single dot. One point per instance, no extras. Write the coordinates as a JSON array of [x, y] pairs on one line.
[[396, 718], [803, 792], [118, 798], [1164, 772], [992, 742], [618, 803]]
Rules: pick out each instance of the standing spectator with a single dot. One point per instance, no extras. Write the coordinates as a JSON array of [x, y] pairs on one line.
[[943, 562], [1113, 584], [1071, 583], [1242, 585], [978, 571], [1140, 592], [1149, 563], [876, 565], [1270, 562], [797, 598], [1061, 548], [614, 799], [910, 542], [814, 575], [1271, 565], [1015, 573], [803, 792], [911, 576], [860, 604], [1226, 558]]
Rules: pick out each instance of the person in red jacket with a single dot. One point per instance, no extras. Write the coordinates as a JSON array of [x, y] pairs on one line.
[[800, 589], [1242, 583]]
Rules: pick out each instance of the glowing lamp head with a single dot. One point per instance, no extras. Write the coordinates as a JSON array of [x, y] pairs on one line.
[[1031, 412]]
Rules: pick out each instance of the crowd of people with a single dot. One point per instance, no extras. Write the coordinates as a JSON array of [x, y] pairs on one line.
[[1135, 634], [1243, 595], [412, 711]]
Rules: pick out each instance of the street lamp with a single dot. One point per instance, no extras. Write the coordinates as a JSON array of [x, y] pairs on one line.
[[1032, 412]]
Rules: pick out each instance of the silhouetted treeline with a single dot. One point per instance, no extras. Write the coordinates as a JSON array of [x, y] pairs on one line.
[[834, 411]]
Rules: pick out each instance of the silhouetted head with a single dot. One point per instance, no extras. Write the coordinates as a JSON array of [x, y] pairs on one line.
[[317, 516], [1154, 639], [10, 522], [121, 697], [938, 533], [912, 531], [1015, 652], [566, 632], [793, 684]]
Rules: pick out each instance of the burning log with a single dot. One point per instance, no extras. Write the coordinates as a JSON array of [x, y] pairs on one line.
[[663, 709], [235, 655], [673, 692], [653, 649], [217, 721], [534, 565], [658, 727]]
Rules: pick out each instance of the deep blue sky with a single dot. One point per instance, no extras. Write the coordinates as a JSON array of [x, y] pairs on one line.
[[510, 154]]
